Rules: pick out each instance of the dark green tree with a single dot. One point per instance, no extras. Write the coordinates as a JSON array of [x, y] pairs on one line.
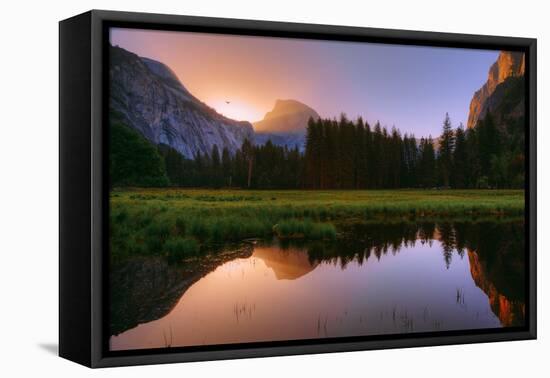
[[133, 160], [446, 148], [427, 163], [227, 168], [216, 168], [248, 156], [460, 159]]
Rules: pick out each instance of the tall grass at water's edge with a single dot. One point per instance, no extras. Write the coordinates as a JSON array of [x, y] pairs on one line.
[[177, 223], [306, 229]]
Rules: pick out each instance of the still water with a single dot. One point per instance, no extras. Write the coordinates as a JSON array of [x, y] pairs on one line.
[[415, 280]]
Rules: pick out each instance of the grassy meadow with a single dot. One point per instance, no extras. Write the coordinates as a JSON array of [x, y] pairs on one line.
[[181, 223]]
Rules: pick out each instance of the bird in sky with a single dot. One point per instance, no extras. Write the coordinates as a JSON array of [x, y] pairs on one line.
[[228, 102]]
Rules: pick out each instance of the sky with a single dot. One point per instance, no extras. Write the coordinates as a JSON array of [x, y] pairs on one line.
[[409, 87]]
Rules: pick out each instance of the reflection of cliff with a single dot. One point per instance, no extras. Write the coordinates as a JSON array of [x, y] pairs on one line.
[[147, 288], [510, 312], [288, 264], [495, 251]]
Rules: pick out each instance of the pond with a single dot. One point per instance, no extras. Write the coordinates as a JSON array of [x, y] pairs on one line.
[[380, 279]]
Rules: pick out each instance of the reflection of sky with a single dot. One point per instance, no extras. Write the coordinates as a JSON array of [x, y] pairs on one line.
[[252, 299], [409, 87]]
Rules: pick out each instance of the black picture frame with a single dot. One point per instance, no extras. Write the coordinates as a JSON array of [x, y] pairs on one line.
[[83, 182]]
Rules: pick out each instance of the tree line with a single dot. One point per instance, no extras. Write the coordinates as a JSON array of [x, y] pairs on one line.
[[353, 155], [265, 167], [339, 154]]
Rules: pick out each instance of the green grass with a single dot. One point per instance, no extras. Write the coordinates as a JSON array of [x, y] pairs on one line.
[[157, 221], [304, 229], [179, 248]]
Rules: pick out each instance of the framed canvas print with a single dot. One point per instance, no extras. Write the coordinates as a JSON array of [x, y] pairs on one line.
[[234, 188]]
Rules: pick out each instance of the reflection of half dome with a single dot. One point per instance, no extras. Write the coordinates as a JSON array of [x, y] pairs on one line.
[[288, 264]]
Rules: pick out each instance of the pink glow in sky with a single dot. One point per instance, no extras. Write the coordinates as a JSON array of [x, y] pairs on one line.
[[408, 87]]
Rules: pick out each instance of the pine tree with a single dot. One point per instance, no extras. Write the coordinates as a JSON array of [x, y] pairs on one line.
[[227, 170], [409, 164], [427, 164], [395, 159], [367, 158], [473, 165], [489, 142], [248, 156], [360, 161], [346, 161], [446, 147], [313, 153], [376, 157], [460, 159], [216, 174]]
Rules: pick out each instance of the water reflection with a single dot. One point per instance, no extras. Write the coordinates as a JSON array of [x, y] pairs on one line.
[[288, 263], [381, 279]]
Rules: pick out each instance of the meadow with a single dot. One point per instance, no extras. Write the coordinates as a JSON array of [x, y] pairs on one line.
[[181, 223]]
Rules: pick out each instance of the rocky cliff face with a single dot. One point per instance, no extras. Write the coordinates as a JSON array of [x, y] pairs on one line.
[[489, 96], [286, 124], [149, 98]]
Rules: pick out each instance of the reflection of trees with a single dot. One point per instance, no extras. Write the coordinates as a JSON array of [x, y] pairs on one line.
[[144, 289], [364, 241], [460, 231], [426, 231], [496, 253], [448, 241], [501, 245]]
